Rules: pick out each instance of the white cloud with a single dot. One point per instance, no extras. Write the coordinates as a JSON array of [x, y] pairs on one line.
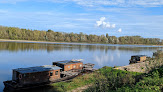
[[97, 3], [120, 30], [102, 19], [99, 23], [103, 24], [113, 25], [108, 25], [121, 3]]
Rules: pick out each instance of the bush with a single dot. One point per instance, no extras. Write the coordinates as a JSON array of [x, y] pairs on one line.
[[111, 80], [108, 79]]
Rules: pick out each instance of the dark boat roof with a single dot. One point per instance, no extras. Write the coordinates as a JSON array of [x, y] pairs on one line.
[[66, 62], [138, 55], [37, 69]]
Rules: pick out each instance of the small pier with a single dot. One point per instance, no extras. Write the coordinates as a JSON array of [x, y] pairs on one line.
[[88, 67]]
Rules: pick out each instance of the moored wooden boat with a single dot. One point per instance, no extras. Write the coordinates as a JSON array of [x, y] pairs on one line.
[[26, 78]]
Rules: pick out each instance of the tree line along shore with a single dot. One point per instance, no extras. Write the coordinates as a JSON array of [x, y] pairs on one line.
[[14, 33]]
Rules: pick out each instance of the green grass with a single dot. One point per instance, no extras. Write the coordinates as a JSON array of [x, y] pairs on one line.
[[75, 83], [91, 78], [111, 80]]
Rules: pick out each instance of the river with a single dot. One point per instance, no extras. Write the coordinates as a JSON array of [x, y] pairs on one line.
[[25, 54]]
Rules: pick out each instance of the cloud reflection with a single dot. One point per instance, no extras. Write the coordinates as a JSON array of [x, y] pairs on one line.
[[102, 60], [107, 59]]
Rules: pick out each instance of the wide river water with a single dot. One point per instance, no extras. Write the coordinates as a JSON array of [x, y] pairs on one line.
[[20, 55]]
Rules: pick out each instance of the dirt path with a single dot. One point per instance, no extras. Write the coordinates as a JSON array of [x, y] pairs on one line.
[[81, 89], [141, 67]]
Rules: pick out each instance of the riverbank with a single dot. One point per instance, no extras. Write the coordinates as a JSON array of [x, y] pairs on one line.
[[110, 79], [142, 67], [147, 65], [144, 76], [29, 41]]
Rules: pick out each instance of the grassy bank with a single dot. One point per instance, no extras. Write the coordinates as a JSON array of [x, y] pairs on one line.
[[110, 79], [75, 83], [92, 78]]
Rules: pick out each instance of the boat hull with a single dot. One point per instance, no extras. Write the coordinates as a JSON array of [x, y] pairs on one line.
[[9, 85]]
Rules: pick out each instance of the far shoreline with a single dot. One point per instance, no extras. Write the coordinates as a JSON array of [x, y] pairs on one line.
[[30, 41]]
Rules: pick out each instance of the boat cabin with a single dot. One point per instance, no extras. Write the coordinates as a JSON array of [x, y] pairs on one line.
[[137, 58], [69, 65], [38, 74]]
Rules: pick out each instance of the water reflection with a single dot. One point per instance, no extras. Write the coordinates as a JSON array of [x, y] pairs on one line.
[[103, 59], [14, 47]]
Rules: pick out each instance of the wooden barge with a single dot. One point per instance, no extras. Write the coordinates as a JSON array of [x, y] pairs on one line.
[[24, 78], [137, 59]]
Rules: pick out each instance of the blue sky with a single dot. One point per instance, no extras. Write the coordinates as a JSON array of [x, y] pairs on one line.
[[115, 17]]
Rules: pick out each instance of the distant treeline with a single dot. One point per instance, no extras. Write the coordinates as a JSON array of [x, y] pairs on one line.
[[37, 35]]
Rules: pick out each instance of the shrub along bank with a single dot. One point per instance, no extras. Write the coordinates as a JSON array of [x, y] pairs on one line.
[[109, 79]]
